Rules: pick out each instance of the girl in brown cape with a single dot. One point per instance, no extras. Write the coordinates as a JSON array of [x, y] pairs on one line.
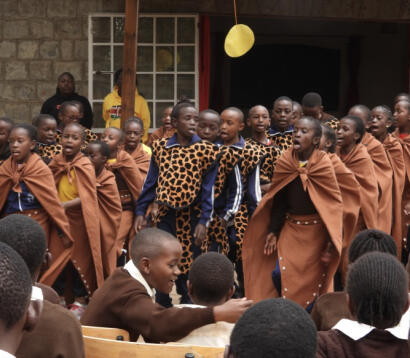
[[129, 182], [26, 189], [379, 127], [134, 130], [307, 248], [402, 122], [109, 203], [76, 185], [382, 169], [166, 130]]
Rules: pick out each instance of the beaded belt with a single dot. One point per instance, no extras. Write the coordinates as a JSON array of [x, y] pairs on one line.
[[303, 222]]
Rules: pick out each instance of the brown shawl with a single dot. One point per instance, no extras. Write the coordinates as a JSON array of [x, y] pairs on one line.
[[86, 255], [110, 216], [384, 176], [141, 159], [360, 163], [129, 172], [318, 177], [39, 180]]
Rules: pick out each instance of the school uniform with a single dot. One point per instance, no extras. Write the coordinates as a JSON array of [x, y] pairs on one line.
[[126, 301], [48, 151], [142, 156], [350, 339], [181, 180], [279, 138], [329, 120], [90, 136], [160, 133]]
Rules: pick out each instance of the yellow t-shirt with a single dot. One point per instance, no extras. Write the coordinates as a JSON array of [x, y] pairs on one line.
[[147, 149], [113, 160], [67, 191]]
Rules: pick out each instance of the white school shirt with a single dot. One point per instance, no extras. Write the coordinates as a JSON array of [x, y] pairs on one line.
[[4, 354], [136, 274]]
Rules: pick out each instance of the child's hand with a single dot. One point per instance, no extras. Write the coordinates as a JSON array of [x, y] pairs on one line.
[[140, 223], [407, 209], [67, 243], [232, 310], [270, 244], [154, 211], [199, 234]]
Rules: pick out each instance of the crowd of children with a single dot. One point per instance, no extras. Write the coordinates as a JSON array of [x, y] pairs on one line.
[[286, 214]]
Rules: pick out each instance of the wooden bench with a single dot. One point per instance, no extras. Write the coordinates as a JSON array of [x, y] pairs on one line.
[[106, 332], [106, 348]]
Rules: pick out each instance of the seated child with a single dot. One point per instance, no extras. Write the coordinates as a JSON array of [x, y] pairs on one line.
[[134, 130], [312, 106], [6, 125], [377, 297], [27, 189], [127, 298], [74, 177], [15, 293], [281, 128], [109, 203], [46, 146], [129, 182], [274, 328], [210, 283], [297, 112], [297, 226], [166, 130], [27, 238], [330, 308], [382, 121]]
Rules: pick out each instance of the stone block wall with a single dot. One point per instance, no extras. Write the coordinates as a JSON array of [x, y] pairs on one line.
[[39, 39]]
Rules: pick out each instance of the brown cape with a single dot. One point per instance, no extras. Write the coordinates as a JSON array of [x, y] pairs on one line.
[[39, 179], [84, 220], [384, 176], [360, 163], [110, 215], [318, 177], [141, 159], [394, 153]]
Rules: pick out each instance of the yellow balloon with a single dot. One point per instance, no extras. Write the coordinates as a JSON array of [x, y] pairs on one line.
[[239, 40]]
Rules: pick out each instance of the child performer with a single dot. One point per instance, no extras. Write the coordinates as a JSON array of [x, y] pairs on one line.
[[297, 112], [6, 125], [281, 128], [259, 121], [27, 189], [74, 176], [134, 130], [380, 129], [312, 106], [109, 203], [181, 180], [46, 145], [382, 168], [129, 182], [228, 185], [350, 191], [299, 221], [166, 130]]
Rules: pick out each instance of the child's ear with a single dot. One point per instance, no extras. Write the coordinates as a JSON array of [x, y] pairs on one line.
[[316, 141], [189, 286], [356, 136], [230, 293], [145, 265], [248, 122], [35, 308], [174, 122], [32, 145], [241, 126], [389, 122], [328, 143]]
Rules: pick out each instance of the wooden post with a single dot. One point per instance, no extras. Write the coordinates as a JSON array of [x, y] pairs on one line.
[[129, 62]]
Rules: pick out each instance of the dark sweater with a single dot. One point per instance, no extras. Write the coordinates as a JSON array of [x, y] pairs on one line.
[[52, 105], [377, 344], [122, 302]]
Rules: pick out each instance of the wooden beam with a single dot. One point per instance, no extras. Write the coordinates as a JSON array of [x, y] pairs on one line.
[[129, 62]]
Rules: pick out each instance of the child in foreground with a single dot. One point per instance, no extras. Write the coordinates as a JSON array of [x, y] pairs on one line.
[[127, 298], [46, 145]]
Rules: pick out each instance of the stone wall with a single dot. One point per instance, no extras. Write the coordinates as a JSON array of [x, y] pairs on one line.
[[39, 39]]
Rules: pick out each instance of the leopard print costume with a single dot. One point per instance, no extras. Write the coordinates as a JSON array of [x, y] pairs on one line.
[[48, 151], [216, 231], [181, 170], [332, 123], [90, 136], [282, 140]]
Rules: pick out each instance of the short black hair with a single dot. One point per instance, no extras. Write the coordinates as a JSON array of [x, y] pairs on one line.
[[118, 130], [178, 107], [362, 108], [15, 286], [311, 99], [136, 120], [148, 243], [253, 107], [80, 105], [377, 287], [37, 120], [358, 124], [104, 148], [275, 328], [78, 125], [283, 98], [402, 94], [210, 111], [407, 103], [65, 105], [385, 109], [27, 237], [317, 128], [371, 240], [7, 120], [238, 111], [29, 128], [69, 74], [211, 276], [329, 133]]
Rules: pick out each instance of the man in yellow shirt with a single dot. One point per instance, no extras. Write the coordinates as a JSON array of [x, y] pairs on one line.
[[112, 107]]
